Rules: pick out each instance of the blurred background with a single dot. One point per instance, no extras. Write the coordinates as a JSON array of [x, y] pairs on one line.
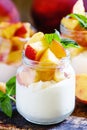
[[44, 15]]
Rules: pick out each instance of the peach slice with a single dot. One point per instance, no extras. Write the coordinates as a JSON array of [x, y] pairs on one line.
[[14, 57], [10, 30], [49, 58], [76, 51], [78, 7], [38, 43], [3, 87], [17, 43], [23, 31], [27, 76], [57, 49], [59, 76], [36, 37], [44, 74], [81, 88], [70, 23]]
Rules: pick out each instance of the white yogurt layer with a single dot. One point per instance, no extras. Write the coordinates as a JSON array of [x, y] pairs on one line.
[[79, 63], [7, 71], [46, 100]]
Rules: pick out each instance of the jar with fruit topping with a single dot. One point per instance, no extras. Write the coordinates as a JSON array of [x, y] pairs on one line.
[[45, 93], [74, 26]]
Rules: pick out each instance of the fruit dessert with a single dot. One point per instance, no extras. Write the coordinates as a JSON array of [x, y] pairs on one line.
[[12, 39], [74, 26], [45, 80]]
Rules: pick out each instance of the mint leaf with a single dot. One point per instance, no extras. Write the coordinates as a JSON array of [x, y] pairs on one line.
[[68, 43], [6, 106], [11, 86], [5, 98], [1, 95], [52, 36], [81, 18]]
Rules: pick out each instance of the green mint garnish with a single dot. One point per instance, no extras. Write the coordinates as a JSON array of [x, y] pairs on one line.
[[6, 98], [66, 43], [53, 36], [81, 18]]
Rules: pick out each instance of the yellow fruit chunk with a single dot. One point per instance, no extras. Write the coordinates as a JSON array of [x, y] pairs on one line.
[[70, 23], [5, 45], [44, 74], [39, 47], [76, 51], [58, 76], [2, 87], [14, 57], [81, 87], [9, 31], [57, 49], [17, 43], [27, 27], [38, 43], [35, 38], [48, 58], [78, 7]]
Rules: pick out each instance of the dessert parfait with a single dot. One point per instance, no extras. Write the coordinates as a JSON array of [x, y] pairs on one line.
[[74, 26], [45, 82], [13, 36]]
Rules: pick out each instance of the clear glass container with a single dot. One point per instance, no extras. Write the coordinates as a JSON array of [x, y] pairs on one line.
[[45, 94], [79, 60]]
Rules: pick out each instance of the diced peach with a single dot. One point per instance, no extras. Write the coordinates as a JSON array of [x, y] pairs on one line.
[[70, 23], [14, 57], [76, 51], [81, 87], [23, 31], [35, 38], [38, 43], [3, 87], [17, 43], [58, 76], [49, 58], [57, 49], [44, 74], [26, 77], [9, 31]]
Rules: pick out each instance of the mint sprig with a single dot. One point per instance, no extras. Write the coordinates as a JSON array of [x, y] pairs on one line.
[[81, 18], [52, 36], [7, 98], [66, 43]]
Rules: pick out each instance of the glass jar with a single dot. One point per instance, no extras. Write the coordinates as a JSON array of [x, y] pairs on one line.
[[79, 60], [45, 94]]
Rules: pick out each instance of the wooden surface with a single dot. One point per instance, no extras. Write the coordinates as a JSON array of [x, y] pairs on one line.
[[77, 121]]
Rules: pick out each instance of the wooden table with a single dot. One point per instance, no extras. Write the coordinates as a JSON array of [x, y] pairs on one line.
[[77, 121]]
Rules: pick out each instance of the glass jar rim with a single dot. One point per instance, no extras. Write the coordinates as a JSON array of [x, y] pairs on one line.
[[30, 62], [63, 28]]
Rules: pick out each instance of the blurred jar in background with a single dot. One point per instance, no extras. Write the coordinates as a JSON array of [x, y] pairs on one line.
[[48, 13], [8, 11]]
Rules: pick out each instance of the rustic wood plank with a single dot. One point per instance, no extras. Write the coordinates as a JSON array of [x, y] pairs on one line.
[[77, 121]]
